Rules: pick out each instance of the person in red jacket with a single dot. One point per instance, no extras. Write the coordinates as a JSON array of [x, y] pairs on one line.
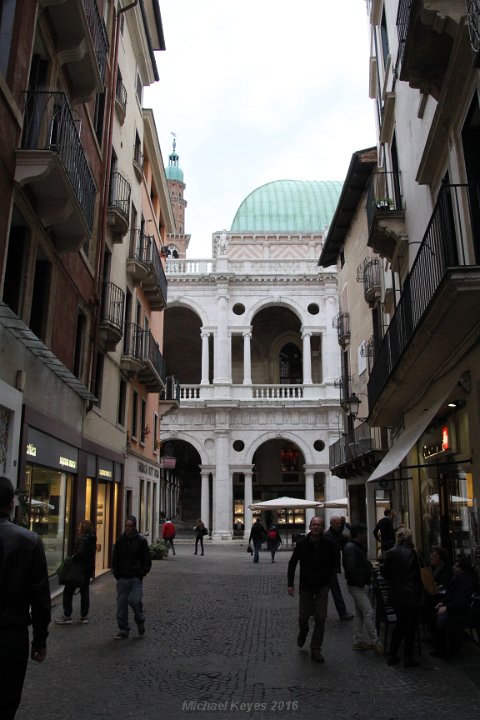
[[168, 534]]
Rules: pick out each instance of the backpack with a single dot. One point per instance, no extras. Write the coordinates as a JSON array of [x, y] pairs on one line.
[[272, 534]]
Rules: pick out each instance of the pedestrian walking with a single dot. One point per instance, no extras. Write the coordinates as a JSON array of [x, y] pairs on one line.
[[84, 556], [24, 600], [405, 595], [168, 534], [131, 562], [258, 535], [200, 532], [273, 541], [317, 556], [336, 533], [384, 532], [358, 572]]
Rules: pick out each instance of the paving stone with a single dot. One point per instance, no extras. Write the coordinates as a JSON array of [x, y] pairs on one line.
[[221, 643]]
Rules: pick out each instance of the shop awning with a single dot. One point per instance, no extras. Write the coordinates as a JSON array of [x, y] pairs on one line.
[[406, 441]]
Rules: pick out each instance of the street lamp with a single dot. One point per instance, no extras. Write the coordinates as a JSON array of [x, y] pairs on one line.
[[353, 404]]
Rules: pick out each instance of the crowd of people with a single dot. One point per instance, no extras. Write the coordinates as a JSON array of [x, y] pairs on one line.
[[320, 554]]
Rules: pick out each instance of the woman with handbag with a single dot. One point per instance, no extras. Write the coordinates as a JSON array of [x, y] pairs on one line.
[[200, 531], [78, 574]]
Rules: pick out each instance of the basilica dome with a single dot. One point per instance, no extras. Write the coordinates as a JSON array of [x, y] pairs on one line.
[[288, 206]]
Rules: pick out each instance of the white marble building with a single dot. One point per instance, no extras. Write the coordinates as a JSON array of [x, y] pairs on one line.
[[250, 337]]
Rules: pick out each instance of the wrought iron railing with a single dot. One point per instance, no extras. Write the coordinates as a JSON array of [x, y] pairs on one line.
[[145, 250], [383, 195], [121, 94], [99, 35], [153, 355], [404, 12], [342, 323], [49, 125], [473, 17], [437, 253], [120, 190], [133, 341], [371, 278], [172, 390], [113, 301], [352, 446]]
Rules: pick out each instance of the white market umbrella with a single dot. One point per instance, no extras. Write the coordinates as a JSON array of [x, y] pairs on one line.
[[285, 503], [338, 503]]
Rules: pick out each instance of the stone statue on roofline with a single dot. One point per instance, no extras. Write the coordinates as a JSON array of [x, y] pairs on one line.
[[222, 242]]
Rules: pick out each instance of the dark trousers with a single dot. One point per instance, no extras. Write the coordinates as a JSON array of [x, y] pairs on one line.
[[13, 666], [407, 618], [315, 604], [337, 596], [198, 539], [68, 593]]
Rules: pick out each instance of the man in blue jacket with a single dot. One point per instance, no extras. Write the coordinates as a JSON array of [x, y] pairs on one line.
[[24, 589], [318, 564]]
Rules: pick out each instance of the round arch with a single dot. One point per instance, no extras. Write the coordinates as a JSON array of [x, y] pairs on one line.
[[189, 304], [264, 303], [189, 439], [251, 449]]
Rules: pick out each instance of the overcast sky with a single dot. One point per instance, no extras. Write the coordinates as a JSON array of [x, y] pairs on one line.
[[259, 90]]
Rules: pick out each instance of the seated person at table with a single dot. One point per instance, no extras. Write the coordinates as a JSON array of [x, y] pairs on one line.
[[447, 635], [440, 566]]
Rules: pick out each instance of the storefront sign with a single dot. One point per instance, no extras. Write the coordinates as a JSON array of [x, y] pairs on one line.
[[146, 469], [105, 469], [47, 450]]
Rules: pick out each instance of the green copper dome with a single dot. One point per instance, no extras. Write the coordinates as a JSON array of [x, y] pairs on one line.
[[288, 206], [173, 171]]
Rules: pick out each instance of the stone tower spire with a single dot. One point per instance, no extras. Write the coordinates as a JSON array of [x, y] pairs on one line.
[[177, 242]]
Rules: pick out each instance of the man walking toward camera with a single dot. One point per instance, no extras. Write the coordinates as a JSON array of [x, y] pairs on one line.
[[24, 591], [318, 564], [131, 562]]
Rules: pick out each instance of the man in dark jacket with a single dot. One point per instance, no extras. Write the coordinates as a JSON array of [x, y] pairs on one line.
[[24, 589], [358, 572], [384, 532], [258, 535], [317, 556], [336, 534], [405, 593], [131, 562]]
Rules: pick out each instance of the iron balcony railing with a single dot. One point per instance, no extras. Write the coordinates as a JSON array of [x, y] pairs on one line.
[[49, 125], [120, 190], [121, 94], [99, 35], [473, 18], [371, 279], [405, 8], [145, 250], [113, 301], [349, 447], [342, 323], [152, 354], [383, 195], [172, 390], [133, 341], [437, 253], [138, 155]]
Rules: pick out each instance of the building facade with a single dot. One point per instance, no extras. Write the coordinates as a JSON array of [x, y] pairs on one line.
[[422, 213], [258, 398], [64, 280]]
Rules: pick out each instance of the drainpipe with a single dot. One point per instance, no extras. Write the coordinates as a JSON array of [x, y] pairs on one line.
[[104, 197]]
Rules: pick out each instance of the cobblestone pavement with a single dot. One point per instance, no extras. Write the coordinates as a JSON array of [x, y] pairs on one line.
[[221, 642]]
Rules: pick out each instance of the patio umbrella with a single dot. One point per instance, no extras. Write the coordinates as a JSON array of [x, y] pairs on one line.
[[285, 503], [338, 503]]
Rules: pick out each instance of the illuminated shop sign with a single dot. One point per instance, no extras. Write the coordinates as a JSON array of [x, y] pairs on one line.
[[105, 473], [439, 447], [46, 450]]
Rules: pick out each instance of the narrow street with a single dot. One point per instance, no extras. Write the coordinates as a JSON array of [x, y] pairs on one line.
[[221, 642]]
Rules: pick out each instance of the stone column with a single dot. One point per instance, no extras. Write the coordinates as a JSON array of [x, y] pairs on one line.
[[222, 489], [205, 499], [309, 495], [247, 358], [205, 368], [247, 499], [307, 358], [223, 371]]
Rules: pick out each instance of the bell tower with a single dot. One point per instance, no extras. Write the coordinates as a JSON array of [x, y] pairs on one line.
[[177, 242]]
